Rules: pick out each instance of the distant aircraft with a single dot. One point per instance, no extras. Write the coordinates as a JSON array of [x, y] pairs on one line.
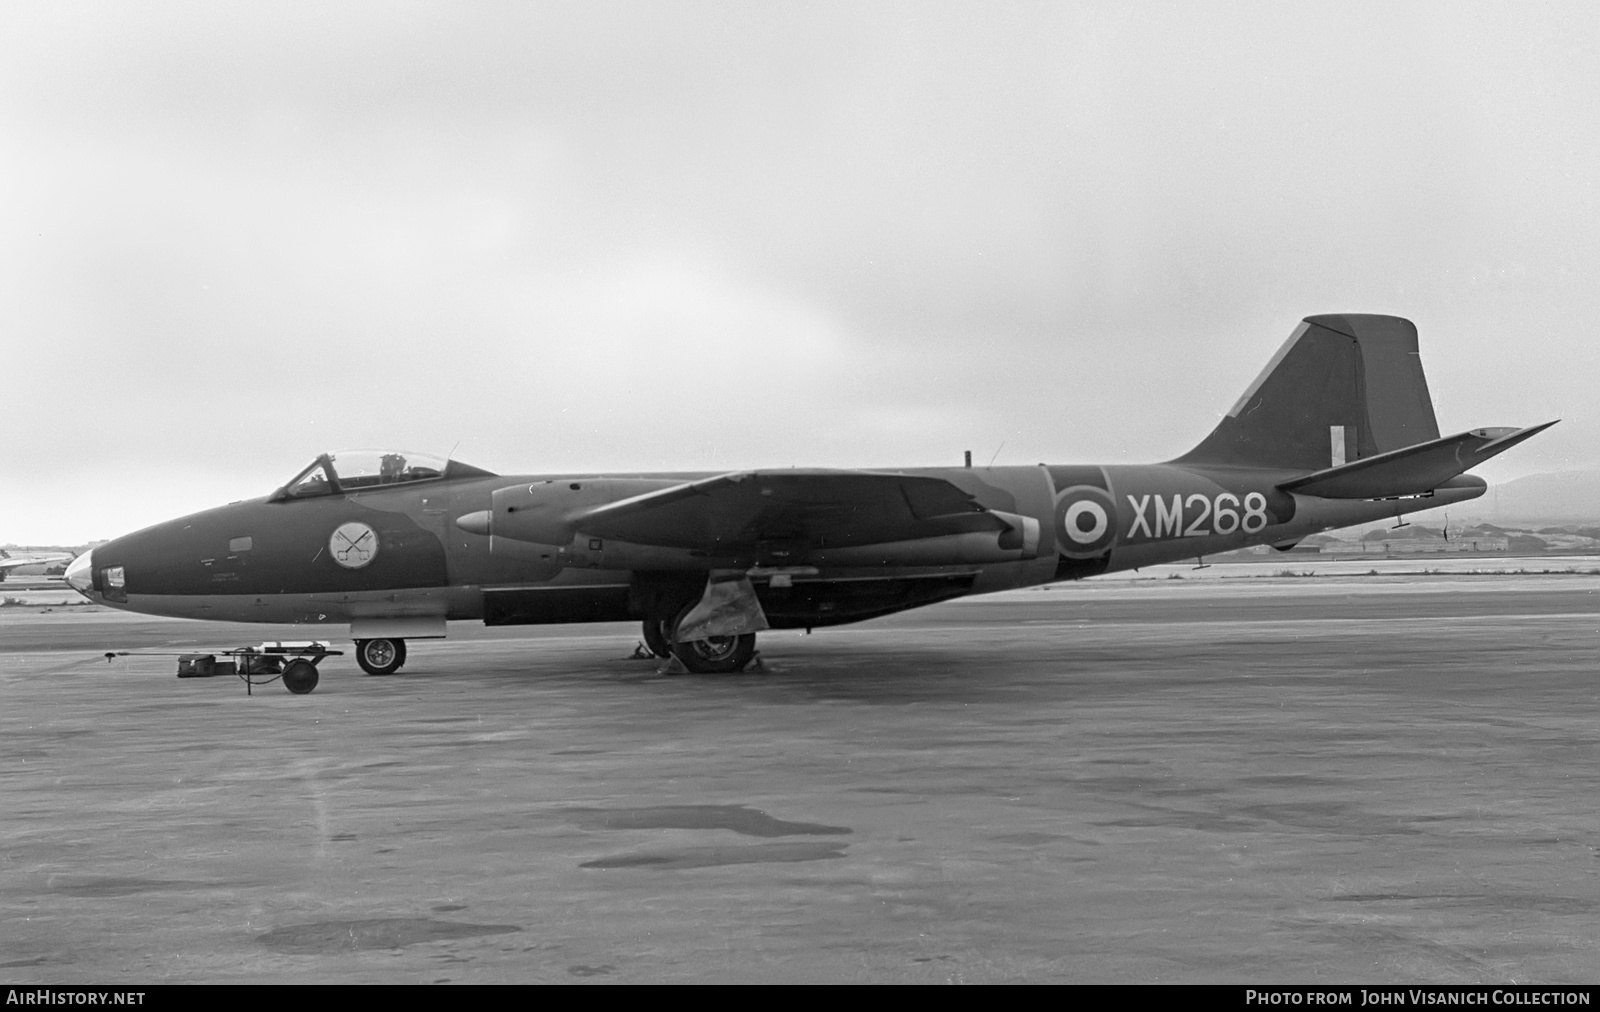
[[1338, 430], [9, 562]]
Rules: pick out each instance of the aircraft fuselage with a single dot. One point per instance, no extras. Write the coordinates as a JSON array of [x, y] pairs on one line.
[[275, 561]]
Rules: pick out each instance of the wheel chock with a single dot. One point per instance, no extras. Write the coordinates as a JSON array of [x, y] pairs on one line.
[[641, 653], [672, 666]]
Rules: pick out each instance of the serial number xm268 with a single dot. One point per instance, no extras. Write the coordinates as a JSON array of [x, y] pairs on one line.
[[1338, 430]]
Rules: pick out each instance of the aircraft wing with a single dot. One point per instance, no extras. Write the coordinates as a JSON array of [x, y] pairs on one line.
[[815, 507], [1413, 469], [9, 564]]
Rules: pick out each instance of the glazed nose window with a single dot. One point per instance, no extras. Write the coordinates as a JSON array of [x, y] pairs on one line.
[[113, 584]]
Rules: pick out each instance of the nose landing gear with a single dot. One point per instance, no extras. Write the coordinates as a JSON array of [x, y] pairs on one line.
[[381, 656]]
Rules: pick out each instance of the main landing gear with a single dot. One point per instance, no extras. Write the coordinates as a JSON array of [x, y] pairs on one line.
[[658, 637], [380, 657], [714, 655]]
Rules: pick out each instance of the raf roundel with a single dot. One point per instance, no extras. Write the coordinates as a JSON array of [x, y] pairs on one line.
[[353, 545], [1086, 522]]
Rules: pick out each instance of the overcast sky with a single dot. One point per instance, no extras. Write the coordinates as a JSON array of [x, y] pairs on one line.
[[588, 236]]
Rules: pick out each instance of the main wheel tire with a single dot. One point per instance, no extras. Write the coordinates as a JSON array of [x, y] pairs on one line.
[[656, 637], [380, 657], [299, 676], [718, 655]]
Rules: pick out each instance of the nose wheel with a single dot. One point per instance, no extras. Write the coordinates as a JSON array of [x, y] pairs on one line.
[[380, 657]]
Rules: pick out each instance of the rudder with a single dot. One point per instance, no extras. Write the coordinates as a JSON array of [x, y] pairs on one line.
[[1342, 387]]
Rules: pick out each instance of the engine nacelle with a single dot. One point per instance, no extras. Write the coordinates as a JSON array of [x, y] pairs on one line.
[[977, 548], [541, 512], [549, 514]]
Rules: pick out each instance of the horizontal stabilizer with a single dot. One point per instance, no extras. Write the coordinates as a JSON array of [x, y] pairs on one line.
[[1413, 469]]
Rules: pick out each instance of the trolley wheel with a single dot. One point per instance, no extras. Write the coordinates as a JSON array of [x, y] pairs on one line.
[[380, 657], [299, 676]]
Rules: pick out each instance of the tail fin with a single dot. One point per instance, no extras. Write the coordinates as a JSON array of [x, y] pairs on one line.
[[1343, 387]]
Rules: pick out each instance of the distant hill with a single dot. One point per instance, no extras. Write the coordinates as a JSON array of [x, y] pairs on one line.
[[1564, 497]]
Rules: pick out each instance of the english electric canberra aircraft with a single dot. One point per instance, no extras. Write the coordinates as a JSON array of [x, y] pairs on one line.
[[1338, 430]]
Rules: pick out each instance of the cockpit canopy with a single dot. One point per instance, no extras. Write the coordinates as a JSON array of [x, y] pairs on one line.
[[353, 470]]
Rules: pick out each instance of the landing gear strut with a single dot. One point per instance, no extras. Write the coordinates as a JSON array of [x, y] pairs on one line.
[[380, 657]]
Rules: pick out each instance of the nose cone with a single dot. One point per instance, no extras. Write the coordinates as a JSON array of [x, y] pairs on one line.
[[481, 522], [80, 575]]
